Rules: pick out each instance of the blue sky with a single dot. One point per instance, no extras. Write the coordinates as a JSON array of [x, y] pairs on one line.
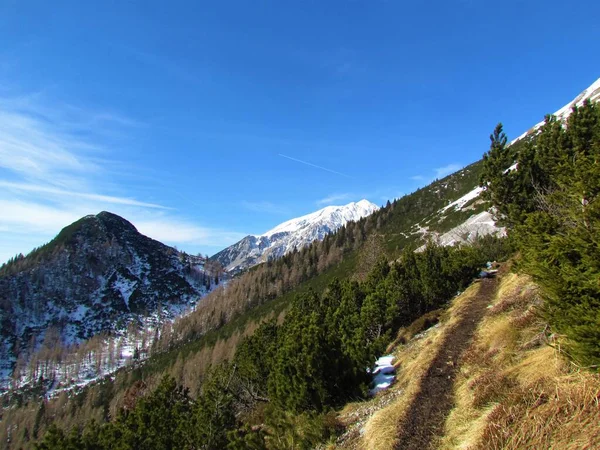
[[191, 118]]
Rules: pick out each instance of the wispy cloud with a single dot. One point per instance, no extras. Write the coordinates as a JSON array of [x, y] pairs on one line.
[[441, 172], [29, 150], [180, 231], [39, 189], [35, 218], [265, 207], [55, 166], [314, 165], [335, 198]]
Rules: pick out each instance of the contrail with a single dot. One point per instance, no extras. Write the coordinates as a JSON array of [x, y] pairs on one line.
[[314, 165]]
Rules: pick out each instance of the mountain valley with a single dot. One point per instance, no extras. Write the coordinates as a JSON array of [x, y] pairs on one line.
[[325, 293]]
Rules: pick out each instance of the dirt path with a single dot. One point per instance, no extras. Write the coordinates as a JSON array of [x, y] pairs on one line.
[[428, 412]]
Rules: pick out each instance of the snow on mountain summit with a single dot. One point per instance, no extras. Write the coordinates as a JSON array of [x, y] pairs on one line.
[[294, 233], [335, 215]]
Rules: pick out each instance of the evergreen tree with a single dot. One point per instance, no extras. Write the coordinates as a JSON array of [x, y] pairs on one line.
[[214, 415], [557, 228]]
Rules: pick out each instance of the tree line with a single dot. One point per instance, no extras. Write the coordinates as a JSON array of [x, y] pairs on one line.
[[284, 379]]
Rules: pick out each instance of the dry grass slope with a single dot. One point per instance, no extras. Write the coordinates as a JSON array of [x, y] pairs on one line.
[[375, 423], [515, 391]]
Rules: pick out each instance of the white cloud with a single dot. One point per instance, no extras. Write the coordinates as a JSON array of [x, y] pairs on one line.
[[52, 166], [23, 217], [60, 192], [178, 231]]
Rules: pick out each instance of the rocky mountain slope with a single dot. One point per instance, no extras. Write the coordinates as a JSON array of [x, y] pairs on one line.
[[98, 275], [290, 235]]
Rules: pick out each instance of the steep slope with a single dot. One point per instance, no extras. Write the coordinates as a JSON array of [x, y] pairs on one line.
[[98, 275], [500, 386], [469, 216], [293, 234]]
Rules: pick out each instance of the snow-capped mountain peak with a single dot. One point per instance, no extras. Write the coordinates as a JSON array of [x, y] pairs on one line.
[[294, 233], [334, 215]]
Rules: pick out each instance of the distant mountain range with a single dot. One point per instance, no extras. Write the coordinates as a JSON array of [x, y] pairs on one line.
[[290, 235]]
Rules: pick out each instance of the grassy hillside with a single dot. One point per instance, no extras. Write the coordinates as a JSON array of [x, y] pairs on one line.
[[510, 387]]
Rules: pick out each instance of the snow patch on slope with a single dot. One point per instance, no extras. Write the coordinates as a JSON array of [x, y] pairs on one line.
[[383, 374], [125, 287], [475, 226], [458, 204]]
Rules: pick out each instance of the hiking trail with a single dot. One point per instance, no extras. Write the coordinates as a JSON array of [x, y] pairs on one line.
[[428, 411]]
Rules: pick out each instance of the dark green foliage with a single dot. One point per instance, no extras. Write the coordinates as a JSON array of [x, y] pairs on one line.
[[214, 415], [166, 419], [314, 361], [158, 421], [302, 431], [557, 230], [326, 342], [253, 359], [245, 438], [510, 191]]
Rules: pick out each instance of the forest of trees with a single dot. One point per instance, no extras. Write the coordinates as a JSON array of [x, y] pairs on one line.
[[551, 205], [285, 379]]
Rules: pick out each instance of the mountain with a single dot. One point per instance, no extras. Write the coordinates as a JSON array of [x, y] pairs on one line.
[[98, 275], [290, 235]]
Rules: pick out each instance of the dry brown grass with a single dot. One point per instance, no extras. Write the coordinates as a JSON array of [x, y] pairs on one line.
[[412, 361], [514, 391], [423, 323]]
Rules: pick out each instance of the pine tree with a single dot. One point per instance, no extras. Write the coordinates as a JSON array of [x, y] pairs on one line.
[[553, 208]]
